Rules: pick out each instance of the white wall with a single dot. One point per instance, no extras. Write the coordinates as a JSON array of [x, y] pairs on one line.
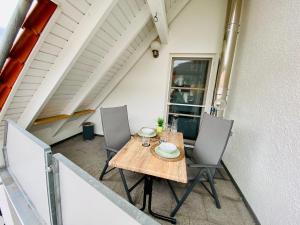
[[46, 132], [264, 151], [97, 203], [197, 29]]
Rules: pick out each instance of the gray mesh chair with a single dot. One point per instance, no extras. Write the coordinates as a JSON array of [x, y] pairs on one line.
[[206, 158], [116, 134]]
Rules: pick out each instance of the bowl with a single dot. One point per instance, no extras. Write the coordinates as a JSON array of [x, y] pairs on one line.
[[148, 131], [167, 147]]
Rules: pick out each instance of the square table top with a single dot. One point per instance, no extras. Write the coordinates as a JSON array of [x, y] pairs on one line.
[[135, 157]]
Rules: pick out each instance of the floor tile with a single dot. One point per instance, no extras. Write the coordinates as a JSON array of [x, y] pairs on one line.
[[245, 214], [202, 222], [193, 207], [228, 214], [226, 189]]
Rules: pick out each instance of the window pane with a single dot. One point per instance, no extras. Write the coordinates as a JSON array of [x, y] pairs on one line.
[[190, 110], [189, 73], [192, 97], [187, 125], [187, 93]]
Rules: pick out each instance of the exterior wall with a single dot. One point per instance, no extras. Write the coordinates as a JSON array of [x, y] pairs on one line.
[[197, 29], [264, 101]]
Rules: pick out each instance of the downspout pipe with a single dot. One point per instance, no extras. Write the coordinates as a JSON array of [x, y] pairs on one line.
[[13, 28], [224, 71]]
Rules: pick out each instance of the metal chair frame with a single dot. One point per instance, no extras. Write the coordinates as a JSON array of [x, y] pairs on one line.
[[205, 173], [110, 154]]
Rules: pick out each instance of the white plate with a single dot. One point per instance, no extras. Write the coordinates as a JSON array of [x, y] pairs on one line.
[[142, 134], [148, 131], [167, 155], [168, 147]]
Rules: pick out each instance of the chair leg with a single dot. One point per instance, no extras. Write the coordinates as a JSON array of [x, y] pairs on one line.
[[104, 170], [109, 156], [125, 186], [220, 173], [183, 198], [213, 190], [187, 192], [173, 191]]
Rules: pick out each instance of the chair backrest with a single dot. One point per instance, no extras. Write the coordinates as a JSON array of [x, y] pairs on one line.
[[212, 140], [115, 126]]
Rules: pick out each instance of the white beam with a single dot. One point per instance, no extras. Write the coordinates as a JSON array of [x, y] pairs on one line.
[[137, 24], [88, 26], [158, 11], [129, 65], [110, 59], [121, 74], [178, 7]]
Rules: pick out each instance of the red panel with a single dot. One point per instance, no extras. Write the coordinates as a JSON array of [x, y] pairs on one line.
[[4, 92], [10, 72], [39, 16], [32, 27], [24, 45]]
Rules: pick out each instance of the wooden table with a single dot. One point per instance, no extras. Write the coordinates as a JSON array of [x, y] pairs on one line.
[[137, 158]]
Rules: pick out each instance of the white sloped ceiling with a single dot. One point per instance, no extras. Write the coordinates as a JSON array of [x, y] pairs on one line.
[[95, 55], [113, 49], [53, 40]]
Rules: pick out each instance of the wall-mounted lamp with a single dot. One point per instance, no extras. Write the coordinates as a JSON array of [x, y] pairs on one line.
[[155, 46], [155, 18]]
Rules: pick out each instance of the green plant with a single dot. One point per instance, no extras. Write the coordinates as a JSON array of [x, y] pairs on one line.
[[160, 122]]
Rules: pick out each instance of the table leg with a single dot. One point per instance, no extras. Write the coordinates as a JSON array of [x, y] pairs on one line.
[[148, 184]]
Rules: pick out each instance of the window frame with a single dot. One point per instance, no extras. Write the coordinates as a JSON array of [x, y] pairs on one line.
[[209, 85]]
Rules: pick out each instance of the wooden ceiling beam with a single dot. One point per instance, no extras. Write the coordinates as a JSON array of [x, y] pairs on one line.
[[56, 118]]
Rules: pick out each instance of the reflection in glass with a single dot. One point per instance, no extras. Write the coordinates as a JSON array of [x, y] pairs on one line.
[[190, 110], [183, 96], [187, 125], [190, 73]]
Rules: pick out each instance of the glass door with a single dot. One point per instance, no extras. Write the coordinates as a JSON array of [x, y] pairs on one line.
[[188, 87]]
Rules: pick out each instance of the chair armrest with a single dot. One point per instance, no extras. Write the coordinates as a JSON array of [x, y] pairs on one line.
[[204, 166], [111, 149]]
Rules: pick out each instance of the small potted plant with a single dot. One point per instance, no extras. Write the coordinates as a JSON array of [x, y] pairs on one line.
[[160, 125]]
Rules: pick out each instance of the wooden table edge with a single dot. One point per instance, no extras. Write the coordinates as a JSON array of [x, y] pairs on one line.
[[185, 181]]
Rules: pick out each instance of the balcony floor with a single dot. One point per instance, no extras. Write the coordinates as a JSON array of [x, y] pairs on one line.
[[199, 208]]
